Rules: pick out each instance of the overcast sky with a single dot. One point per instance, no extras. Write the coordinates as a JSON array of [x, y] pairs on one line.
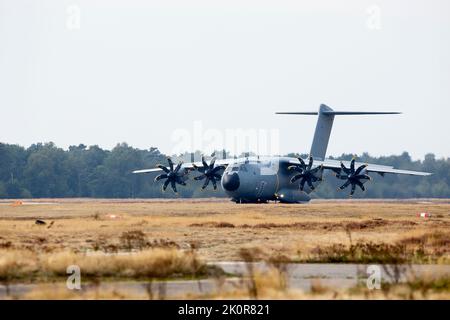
[[103, 72]]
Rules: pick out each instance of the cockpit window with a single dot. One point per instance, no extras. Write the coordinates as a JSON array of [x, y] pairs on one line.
[[235, 169]]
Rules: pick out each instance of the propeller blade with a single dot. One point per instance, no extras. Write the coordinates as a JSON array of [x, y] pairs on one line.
[[360, 168], [362, 177], [296, 168], [353, 189], [310, 184], [179, 180], [174, 186], [302, 162], [206, 183], [211, 164], [202, 169], [209, 172], [178, 167], [345, 169], [166, 183], [302, 184], [310, 162], [307, 174], [205, 165], [345, 185], [352, 165], [316, 169], [353, 177], [172, 175], [360, 184], [170, 163], [161, 176], [163, 168], [296, 177]]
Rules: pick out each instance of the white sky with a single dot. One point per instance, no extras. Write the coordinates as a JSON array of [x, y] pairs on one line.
[[137, 71]]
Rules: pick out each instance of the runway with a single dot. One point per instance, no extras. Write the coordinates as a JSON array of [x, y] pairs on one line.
[[302, 277]]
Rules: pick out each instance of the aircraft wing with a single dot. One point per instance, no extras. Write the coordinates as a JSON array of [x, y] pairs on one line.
[[147, 170], [381, 169], [189, 165], [332, 164]]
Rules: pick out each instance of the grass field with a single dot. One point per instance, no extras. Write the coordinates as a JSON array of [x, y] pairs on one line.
[[186, 234], [217, 228]]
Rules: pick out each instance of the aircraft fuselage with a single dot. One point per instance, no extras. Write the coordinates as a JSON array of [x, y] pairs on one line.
[[260, 180]]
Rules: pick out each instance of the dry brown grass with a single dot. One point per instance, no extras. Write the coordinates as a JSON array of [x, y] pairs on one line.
[[219, 228], [353, 225], [24, 265], [269, 284], [154, 239], [381, 253], [60, 292], [16, 264]]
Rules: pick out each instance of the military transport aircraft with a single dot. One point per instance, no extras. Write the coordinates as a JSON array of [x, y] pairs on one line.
[[274, 178]]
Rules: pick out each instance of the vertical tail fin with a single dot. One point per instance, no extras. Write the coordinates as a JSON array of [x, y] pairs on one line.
[[324, 124], [322, 133]]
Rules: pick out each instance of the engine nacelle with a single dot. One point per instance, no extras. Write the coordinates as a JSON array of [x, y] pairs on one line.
[[292, 196]]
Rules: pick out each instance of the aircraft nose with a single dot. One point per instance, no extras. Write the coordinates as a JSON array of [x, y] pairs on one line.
[[230, 182]]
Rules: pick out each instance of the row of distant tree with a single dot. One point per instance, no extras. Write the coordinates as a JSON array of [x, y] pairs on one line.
[[44, 170]]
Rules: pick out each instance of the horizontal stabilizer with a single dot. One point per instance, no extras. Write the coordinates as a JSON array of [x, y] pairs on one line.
[[338, 113], [324, 125]]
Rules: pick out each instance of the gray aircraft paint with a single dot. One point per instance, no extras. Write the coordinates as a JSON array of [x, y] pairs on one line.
[[264, 180], [322, 133], [324, 125]]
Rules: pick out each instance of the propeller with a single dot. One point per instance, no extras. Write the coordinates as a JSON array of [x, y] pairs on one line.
[[305, 173], [354, 177], [172, 175], [209, 173]]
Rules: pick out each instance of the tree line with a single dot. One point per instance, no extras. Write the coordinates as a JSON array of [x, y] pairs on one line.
[[44, 170]]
